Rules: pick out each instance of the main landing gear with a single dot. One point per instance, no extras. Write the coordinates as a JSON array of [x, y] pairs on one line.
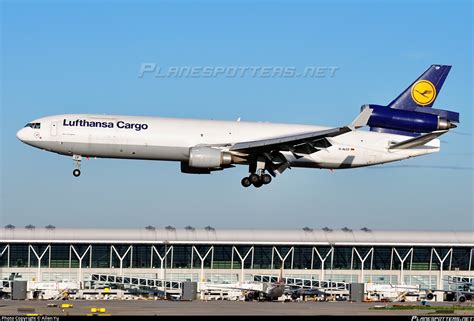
[[257, 176], [77, 161], [256, 180]]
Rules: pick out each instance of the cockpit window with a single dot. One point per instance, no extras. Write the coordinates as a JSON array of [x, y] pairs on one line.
[[34, 125]]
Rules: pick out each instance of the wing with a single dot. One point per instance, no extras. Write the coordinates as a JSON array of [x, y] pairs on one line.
[[304, 143], [216, 286], [452, 291]]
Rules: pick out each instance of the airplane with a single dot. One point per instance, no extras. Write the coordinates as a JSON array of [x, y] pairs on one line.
[[463, 291], [407, 127], [274, 290], [262, 291], [308, 292], [272, 293]]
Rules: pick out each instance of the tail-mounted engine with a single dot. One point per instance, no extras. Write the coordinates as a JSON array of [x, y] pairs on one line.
[[410, 121]]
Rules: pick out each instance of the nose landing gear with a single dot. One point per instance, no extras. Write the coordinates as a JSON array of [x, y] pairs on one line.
[[77, 161]]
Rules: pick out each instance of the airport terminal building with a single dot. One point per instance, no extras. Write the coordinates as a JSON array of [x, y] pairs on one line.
[[231, 255]]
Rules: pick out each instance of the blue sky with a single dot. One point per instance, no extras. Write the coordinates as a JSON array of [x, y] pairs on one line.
[[84, 57]]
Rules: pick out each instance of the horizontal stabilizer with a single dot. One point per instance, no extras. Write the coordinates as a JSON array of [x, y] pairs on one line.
[[418, 141]]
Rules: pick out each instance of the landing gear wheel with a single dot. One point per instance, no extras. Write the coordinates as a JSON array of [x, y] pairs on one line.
[[254, 178], [266, 179], [245, 182], [258, 184], [77, 163]]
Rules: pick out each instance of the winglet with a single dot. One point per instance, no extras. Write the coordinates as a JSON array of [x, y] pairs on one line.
[[362, 119]]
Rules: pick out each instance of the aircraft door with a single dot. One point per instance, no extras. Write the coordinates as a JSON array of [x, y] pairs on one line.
[[54, 128]]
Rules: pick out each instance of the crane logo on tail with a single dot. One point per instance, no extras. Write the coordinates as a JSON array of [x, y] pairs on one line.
[[423, 92]]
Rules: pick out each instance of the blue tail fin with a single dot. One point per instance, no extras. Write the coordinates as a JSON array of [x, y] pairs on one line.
[[410, 113], [423, 91]]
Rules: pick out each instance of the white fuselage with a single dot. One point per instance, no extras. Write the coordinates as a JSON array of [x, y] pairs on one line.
[[155, 138]]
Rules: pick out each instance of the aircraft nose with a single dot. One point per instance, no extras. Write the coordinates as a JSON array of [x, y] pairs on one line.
[[22, 134]]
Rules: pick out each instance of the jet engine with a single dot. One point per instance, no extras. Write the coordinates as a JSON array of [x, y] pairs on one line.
[[407, 120], [208, 157]]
